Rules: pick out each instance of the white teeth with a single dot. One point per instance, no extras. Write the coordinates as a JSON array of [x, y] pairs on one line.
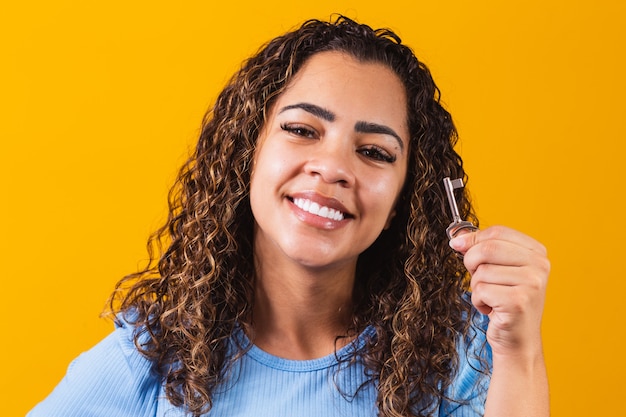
[[314, 208]]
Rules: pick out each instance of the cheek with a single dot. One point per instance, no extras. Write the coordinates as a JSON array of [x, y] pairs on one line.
[[268, 175], [271, 169], [385, 189], [381, 199]]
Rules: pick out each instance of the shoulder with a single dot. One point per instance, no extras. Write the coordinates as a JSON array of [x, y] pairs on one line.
[[112, 379]]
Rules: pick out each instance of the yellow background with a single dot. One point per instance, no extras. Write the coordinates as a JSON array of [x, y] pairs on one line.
[[100, 102]]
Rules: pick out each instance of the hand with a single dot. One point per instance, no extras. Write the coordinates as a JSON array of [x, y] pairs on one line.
[[509, 273]]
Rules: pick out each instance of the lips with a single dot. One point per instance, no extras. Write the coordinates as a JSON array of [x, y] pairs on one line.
[[317, 209], [328, 209]]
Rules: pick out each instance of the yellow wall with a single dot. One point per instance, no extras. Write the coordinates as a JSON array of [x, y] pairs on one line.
[[100, 101]]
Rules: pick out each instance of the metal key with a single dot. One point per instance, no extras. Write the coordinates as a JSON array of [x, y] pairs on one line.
[[457, 224]]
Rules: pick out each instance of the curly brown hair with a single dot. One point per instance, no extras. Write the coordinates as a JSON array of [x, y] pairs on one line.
[[198, 286]]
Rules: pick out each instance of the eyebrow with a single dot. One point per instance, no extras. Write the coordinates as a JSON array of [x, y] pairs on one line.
[[366, 127], [315, 110], [360, 126]]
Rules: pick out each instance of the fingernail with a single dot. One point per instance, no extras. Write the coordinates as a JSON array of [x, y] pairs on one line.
[[456, 243]]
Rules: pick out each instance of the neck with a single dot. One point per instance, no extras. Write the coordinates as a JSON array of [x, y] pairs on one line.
[[302, 313]]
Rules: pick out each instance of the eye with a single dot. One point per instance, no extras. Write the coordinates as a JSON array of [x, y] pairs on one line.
[[299, 130], [377, 153]]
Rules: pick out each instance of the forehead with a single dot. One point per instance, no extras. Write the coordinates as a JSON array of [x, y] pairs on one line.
[[367, 91]]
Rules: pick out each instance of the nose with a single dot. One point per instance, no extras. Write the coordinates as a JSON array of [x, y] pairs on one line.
[[332, 162]]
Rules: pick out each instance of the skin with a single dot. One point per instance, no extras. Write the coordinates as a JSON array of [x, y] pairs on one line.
[[509, 276], [315, 147], [338, 137]]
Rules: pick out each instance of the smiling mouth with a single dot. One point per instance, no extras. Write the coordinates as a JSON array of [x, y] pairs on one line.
[[322, 211]]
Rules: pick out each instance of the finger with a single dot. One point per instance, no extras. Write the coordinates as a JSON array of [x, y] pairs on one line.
[[480, 304], [499, 275], [501, 287], [490, 297], [463, 242], [498, 252], [487, 301]]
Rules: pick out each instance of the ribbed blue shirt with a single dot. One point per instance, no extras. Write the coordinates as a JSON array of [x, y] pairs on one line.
[[114, 380]]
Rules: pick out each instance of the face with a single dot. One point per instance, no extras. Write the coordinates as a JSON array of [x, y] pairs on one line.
[[330, 163]]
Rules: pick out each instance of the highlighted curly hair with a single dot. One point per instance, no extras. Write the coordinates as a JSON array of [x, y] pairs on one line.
[[198, 287]]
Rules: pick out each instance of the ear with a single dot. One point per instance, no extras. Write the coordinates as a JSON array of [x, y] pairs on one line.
[[389, 219]]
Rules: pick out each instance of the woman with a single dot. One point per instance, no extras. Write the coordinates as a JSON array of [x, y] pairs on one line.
[[306, 268]]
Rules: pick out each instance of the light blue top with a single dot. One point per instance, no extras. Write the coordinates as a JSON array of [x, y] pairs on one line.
[[114, 380]]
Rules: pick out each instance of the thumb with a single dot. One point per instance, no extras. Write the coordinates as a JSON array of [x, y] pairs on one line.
[[464, 241]]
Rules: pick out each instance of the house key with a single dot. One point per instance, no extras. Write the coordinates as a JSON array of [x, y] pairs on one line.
[[457, 224]]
